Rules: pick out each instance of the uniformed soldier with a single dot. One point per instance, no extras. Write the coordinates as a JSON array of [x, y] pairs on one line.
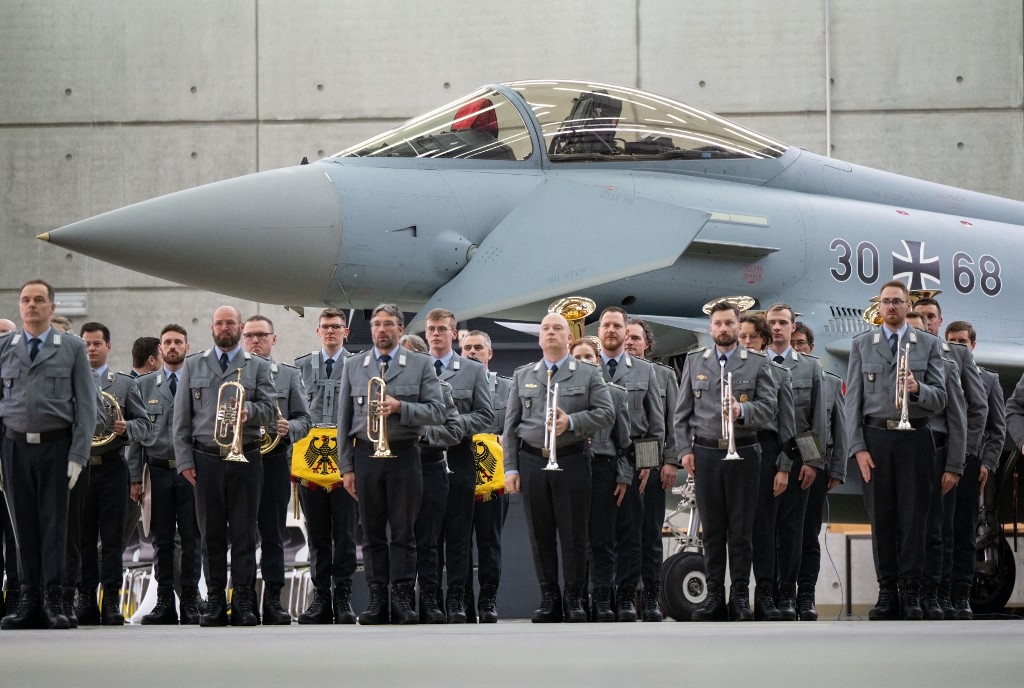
[[960, 555], [8, 548], [389, 490], [556, 502], [105, 506], [727, 490], [329, 511], [825, 481], [227, 491], [292, 423], [472, 395], [896, 465], [171, 497], [490, 509], [640, 344], [145, 359], [48, 415], [754, 332]]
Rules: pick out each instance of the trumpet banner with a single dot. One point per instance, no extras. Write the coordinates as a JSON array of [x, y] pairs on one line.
[[490, 464], [315, 459]]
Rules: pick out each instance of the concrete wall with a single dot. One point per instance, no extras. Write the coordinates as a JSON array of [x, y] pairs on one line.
[[105, 103]]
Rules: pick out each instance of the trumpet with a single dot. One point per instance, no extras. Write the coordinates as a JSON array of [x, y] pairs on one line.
[[728, 426], [550, 414], [376, 424], [227, 429], [112, 414], [902, 389]]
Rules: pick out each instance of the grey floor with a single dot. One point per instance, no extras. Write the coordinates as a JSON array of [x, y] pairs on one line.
[[517, 653]]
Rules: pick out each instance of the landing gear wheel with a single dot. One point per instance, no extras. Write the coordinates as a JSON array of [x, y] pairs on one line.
[[683, 585], [990, 593]]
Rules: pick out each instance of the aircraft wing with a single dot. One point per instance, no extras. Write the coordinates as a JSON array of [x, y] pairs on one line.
[[563, 238]]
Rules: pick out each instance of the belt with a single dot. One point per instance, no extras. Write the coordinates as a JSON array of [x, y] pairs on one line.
[[888, 424], [766, 436], [217, 450], [567, 450], [603, 457], [431, 455], [169, 464], [394, 445], [481, 498], [97, 459], [37, 437], [719, 443]]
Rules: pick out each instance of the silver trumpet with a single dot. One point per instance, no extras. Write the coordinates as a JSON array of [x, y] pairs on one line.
[[728, 427], [376, 424], [902, 390], [227, 431], [550, 413]]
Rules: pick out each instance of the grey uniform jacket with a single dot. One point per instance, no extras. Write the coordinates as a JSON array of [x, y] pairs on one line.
[[159, 443], [291, 400], [871, 381], [995, 422], [810, 407], [836, 456], [450, 432], [784, 422], [614, 441], [582, 394], [646, 404], [138, 426], [195, 404], [53, 392], [1015, 415], [699, 408], [974, 394], [500, 387], [668, 384], [410, 378], [321, 391], [952, 422], [472, 394]]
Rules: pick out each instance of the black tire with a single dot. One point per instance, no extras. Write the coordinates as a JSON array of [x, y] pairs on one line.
[[683, 585], [989, 594]]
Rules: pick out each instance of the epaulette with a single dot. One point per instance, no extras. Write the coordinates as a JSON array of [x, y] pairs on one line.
[[152, 372], [252, 355], [829, 372], [592, 365], [350, 354], [525, 365], [287, 365], [759, 353], [125, 375], [987, 370], [615, 384], [198, 353], [816, 358], [861, 334], [698, 350], [305, 356]]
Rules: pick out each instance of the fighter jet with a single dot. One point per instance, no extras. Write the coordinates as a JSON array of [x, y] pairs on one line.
[[518, 193]]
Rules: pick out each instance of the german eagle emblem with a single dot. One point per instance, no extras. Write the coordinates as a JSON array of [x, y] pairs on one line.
[[486, 462], [322, 459]]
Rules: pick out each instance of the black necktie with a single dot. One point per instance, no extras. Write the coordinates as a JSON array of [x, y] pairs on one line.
[[612, 367], [438, 367], [778, 359], [329, 364], [223, 362], [554, 369], [172, 383], [893, 340], [723, 359], [384, 360], [34, 349]]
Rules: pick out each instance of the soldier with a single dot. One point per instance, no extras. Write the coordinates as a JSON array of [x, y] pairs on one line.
[[330, 511], [389, 490], [896, 465], [145, 356], [472, 395], [105, 505], [754, 332], [48, 415], [227, 491], [640, 344], [172, 498], [727, 489], [8, 549], [556, 502], [961, 553], [825, 481], [489, 510], [291, 423]]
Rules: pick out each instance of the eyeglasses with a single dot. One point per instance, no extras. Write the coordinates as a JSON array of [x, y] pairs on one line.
[[332, 327], [262, 336], [892, 302]]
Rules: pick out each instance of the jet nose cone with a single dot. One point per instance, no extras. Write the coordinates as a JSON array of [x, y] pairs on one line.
[[273, 236]]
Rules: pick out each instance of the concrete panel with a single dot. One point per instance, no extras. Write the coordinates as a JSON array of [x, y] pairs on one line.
[[54, 176], [282, 145], [352, 59], [980, 151], [923, 55], [740, 56], [87, 61], [801, 130]]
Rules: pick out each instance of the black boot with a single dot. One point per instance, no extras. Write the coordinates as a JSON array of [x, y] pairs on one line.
[[456, 605], [805, 604], [930, 601], [343, 613], [764, 602], [550, 609], [430, 613], [86, 608], [625, 605], [110, 614], [273, 613], [188, 607], [945, 595], [53, 609], [739, 602], [962, 602], [377, 608], [319, 610], [910, 600], [469, 604], [649, 605], [714, 608], [487, 607], [13, 600], [887, 608], [603, 604], [163, 613], [216, 613], [401, 605], [243, 607], [787, 601], [68, 605], [574, 612], [26, 614]]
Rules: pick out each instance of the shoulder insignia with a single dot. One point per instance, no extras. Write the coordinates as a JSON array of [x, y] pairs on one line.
[[945, 346], [829, 373], [572, 365], [757, 353], [56, 339], [288, 365]]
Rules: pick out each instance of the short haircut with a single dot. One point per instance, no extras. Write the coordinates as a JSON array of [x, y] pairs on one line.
[[801, 328], [174, 327], [963, 326], [392, 310], [261, 318], [95, 327], [896, 284], [928, 301], [586, 341], [648, 332], [50, 293], [614, 309], [724, 306], [760, 324], [142, 349], [414, 341], [479, 333], [332, 313], [782, 307], [442, 314], [62, 322]]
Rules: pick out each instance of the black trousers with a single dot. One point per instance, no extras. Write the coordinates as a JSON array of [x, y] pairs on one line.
[[430, 519], [390, 491], [103, 515], [935, 546], [789, 527], [173, 507], [273, 514], [488, 520], [8, 548], [652, 550], [960, 525], [457, 528], [36, 485], [557, 506], [331, 528], [629, 534], [227, 500], [767, 514], [603, 516], [810, 552], [727, 497], [73, 549]]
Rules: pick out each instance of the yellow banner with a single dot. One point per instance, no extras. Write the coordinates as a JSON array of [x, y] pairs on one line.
[[490, 464], [315, 458]]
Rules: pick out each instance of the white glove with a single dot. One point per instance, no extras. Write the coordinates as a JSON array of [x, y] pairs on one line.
[[74, 470]]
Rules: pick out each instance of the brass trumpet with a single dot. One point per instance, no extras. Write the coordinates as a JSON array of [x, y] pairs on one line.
[[376, 424], [550, 414], [902, 389], [229, 419], [728, 426], [112, 414]]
